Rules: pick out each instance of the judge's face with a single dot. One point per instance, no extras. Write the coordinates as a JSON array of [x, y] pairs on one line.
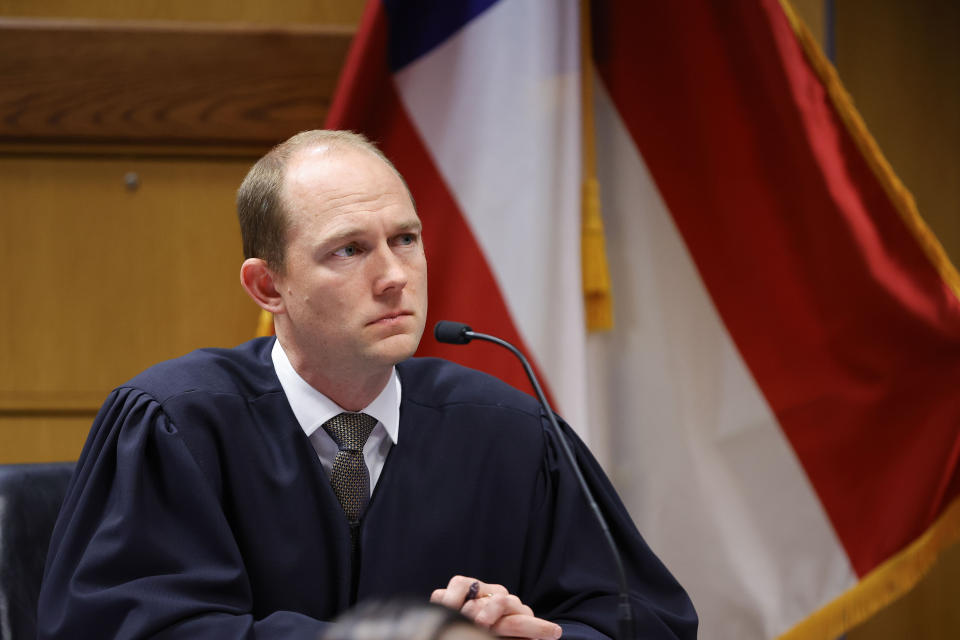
[[354, 286]]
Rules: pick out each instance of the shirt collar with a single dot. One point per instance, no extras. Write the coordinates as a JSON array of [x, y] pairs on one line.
[[313, 408]]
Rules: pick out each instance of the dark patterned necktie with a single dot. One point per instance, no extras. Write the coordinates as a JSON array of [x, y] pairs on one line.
[[349, 477]]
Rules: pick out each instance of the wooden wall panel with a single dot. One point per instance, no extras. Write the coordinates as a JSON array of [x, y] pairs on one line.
[[164, 84], [901, 63], [107, 280], [42, 437], [324, 12], [102, 281]]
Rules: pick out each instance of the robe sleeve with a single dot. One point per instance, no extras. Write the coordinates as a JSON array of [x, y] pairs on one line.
[[571, 575], [142, 548]]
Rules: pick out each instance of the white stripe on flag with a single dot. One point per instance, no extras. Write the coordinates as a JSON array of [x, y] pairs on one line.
[[498, 108], [700, 460]]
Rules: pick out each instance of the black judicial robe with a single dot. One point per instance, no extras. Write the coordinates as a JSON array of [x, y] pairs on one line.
[[199, 509]]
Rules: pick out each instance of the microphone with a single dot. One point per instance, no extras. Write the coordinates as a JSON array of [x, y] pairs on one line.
[[450, 332]]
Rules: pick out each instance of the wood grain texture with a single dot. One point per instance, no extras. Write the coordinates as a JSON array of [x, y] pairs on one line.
[[901, 63], [103, 280], [48, 438], [161, 84], [340, 12]]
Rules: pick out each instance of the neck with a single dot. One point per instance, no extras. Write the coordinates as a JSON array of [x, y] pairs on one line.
[[352, 395], [352, 390]]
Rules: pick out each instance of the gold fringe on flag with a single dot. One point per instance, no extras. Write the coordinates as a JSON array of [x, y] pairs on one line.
[[902, 571], [899, 195], [597, 293], [264, 324], [892, 579]]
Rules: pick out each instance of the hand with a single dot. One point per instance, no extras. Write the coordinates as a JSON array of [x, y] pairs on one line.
[[493, 607]]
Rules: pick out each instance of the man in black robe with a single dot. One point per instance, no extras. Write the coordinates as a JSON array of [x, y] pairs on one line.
[[202, 504]]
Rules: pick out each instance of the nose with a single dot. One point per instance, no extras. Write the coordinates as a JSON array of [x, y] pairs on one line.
[[390, 273]]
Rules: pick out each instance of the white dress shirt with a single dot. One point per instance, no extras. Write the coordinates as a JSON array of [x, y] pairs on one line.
[[312, 409]]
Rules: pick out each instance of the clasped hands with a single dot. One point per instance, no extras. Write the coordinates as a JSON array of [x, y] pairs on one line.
[[493, 607]]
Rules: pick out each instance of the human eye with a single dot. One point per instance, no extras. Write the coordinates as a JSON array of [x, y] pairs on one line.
[[406, 239], [347, 251]]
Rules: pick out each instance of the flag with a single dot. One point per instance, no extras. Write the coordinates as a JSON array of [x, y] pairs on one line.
[[774, 401], [477, 104]]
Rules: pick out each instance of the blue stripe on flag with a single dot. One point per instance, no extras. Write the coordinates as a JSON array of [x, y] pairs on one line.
[[417, 26]]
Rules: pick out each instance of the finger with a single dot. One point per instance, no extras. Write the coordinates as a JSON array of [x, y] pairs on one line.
[[437, 595], [455, 594], [524, 626], [460, 588], [493, 590], [487, 611]]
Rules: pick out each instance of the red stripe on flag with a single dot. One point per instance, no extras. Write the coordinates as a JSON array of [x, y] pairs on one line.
[[462, 286], [851, 334]]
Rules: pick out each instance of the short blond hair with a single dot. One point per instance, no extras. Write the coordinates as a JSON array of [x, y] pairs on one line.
[[263, 221]]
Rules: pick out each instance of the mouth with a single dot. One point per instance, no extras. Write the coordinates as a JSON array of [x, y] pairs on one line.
[[392, 318]]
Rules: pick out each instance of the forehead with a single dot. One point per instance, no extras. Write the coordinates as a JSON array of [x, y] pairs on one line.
[[323, 177]]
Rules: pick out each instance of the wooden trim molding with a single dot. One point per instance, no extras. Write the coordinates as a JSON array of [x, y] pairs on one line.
[[50, 403], [108, 86]]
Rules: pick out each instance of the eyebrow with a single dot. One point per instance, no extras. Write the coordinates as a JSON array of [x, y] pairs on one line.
[[410, 226]]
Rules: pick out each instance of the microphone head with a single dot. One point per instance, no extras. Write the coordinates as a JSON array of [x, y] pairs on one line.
[[451, 332]]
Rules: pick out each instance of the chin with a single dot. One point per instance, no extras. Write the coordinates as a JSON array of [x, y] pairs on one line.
[[395, 348]]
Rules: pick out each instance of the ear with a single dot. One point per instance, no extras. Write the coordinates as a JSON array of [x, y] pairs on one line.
[[260, 284]]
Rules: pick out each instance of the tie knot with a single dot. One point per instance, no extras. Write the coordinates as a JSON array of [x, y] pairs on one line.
[[350, 430]]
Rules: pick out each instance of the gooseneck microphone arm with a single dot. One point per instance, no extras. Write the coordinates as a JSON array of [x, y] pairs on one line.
[[458, 333]]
